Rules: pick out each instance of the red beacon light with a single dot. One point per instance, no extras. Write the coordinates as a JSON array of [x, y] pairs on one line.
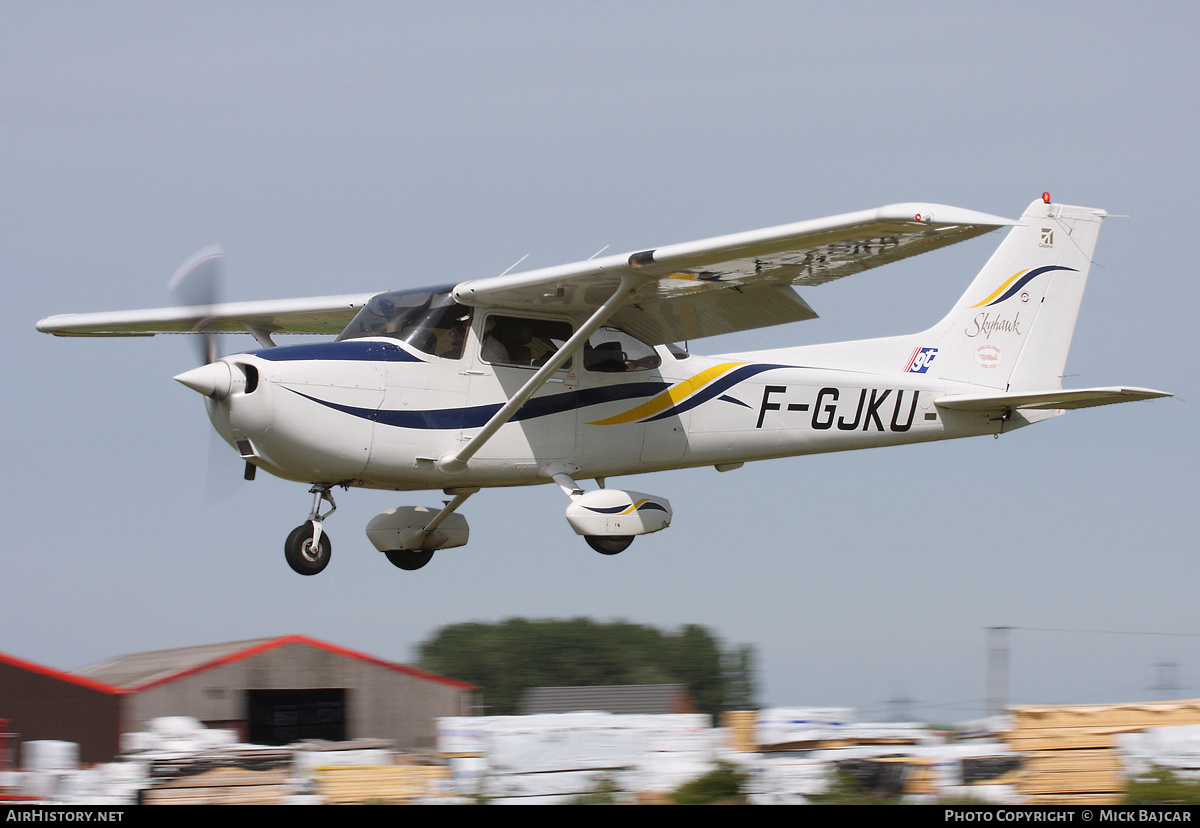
[[1046, 198]]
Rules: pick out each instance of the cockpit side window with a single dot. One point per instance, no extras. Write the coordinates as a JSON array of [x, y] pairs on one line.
[[613, 351], [428, 320], [522, 341]]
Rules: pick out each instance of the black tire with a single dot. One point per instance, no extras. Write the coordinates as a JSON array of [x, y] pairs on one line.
[[300, 554], [609, 545], [409, 559]]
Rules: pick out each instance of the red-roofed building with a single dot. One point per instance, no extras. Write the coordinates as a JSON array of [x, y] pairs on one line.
[[42, 703], [270, 690]]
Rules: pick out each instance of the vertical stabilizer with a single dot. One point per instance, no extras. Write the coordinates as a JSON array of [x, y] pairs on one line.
[[1012, 329]]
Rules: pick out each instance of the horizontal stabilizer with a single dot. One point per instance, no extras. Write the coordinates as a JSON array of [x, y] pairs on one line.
[[1046, 400]]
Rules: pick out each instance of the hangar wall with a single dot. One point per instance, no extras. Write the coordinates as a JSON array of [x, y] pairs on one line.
[[382, 700], [41, 703]]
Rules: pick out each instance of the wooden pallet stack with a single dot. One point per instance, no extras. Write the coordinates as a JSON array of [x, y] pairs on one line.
[[1069, 753], [380, 784], [739, 726], [221, 786], [270, 776]]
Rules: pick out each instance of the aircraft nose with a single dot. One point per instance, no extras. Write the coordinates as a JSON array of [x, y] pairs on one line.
[[212, 380]]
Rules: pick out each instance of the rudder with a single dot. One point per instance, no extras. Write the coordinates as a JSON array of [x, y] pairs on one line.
[[1012, 329]]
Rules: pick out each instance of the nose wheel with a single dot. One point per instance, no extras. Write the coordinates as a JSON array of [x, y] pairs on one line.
[[307, 548], [306, 553]]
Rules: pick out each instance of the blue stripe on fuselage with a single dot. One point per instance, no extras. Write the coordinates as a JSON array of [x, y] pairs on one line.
[[476, 416], [351, 351], [704, 395]]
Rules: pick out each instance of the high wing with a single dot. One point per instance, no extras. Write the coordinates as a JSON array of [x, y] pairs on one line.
[[314, 315], [735, 282], [684, 291]]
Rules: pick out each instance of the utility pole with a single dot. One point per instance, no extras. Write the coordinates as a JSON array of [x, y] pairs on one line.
[[1167, 686], [997, 670], [899, 705]]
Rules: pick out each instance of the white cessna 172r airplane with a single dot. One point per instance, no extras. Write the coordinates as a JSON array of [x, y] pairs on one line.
[[569, 373]]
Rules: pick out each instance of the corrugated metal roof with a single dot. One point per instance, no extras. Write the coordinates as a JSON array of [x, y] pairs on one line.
[[621, 698], [136, 669], [41, 669], [139, 671]]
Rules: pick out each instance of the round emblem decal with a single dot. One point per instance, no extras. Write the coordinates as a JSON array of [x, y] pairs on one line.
[[988, 356]]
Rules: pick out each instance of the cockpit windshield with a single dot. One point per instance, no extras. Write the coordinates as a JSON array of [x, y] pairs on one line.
[[428, 320]]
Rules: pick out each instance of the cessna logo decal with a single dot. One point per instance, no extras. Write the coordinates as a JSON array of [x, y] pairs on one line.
[[874, 408]]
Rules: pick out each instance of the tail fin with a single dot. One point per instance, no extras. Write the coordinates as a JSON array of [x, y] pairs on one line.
[[1012, 329]]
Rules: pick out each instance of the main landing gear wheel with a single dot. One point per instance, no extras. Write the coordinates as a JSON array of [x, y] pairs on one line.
[[304, 556], [609, 545], [409, 559]]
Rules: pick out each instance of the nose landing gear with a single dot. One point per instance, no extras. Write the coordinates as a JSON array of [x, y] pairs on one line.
[[307, 548]]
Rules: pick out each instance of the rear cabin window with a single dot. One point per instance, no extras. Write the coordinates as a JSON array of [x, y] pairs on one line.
[[612, 351]]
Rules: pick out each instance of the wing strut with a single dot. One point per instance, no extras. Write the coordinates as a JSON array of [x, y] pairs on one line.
[[259, 333], [460, 497], [456, 462]]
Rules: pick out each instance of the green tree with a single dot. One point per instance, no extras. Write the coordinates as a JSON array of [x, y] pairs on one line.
[[1162, 787], [508, 658], [724, 784], [738, 668], [605, 791], [847, 787]]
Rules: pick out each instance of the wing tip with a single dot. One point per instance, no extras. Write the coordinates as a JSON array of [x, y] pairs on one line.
[[939, 215]]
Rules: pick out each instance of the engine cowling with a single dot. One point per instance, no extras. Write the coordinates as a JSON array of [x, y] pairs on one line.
[[616, 512]]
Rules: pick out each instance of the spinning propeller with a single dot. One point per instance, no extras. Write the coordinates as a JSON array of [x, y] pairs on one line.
[[198, 283]]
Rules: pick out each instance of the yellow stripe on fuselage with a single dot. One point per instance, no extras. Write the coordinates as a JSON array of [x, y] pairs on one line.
[[671, 396]]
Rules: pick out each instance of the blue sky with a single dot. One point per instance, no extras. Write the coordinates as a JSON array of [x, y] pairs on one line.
[[338, 148]]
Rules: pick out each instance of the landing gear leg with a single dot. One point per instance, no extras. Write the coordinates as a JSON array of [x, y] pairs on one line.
[[307, 548], [413, 559], [604, 544]]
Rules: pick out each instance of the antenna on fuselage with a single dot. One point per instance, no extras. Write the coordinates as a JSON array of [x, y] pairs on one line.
[[517, 262]]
